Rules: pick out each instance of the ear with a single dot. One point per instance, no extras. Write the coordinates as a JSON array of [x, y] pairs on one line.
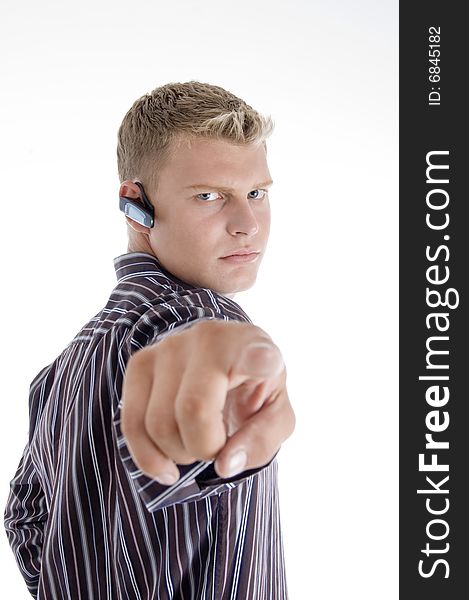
[[131, 190]]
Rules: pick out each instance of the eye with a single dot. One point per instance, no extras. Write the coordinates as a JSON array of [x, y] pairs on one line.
[[199, 196], [261, 192], [205, 196]]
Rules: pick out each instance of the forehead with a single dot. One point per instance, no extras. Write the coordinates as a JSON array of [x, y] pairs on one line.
[[217, 161]]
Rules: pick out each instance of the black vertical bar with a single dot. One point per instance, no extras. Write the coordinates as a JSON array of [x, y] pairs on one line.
[[434, 531]]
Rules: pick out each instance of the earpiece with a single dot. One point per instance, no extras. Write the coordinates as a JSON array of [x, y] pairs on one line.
[[145, 215]]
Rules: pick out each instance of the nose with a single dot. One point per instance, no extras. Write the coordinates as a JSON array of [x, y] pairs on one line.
[[242, 219]]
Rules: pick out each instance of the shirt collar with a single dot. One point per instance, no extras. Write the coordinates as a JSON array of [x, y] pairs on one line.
[[135, 265], [142, 264]]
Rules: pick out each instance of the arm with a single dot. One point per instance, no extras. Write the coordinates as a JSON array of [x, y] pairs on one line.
[[24, 518], [165, 371], [197, 479], [26, 511]]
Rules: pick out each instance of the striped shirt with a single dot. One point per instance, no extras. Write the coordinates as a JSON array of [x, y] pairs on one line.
[[84, 522]]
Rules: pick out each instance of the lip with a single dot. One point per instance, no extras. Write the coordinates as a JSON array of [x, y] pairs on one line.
[[243, 257], [241, 252]]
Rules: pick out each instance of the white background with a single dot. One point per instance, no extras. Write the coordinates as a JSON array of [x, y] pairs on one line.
[[327, 73]]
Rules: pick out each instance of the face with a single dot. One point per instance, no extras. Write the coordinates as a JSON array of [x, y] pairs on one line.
[[211, 201]]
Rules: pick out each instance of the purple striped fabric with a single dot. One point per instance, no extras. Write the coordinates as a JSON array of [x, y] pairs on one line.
[[84, 522]]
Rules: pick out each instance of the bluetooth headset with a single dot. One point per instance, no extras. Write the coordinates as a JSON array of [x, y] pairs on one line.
[[145, 215]]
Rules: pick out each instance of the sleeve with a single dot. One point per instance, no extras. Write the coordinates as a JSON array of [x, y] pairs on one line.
[[25, 518], [197, 480], [26, 511]]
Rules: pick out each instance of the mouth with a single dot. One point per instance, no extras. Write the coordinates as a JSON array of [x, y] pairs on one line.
[[242, 252], [242, 257]]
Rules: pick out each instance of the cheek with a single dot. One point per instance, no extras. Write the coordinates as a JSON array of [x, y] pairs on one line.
[[194, 239], [264, 220], [181, 231], [205, 230]]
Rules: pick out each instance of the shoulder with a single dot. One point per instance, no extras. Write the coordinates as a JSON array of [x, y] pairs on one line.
[[179, 310]]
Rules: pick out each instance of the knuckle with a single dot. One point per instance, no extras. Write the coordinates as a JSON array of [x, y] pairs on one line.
[[206, 328], [158, 426], [207, 333], [138, 357], [194, 408], [168, 343], [212, 329], [138, 361], [211, 325]]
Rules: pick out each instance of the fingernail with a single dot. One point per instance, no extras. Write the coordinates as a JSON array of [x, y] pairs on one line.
[[166, 478], [260, 362], [236, 463], [261, 345]]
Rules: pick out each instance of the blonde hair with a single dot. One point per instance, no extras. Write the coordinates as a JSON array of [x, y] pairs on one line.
[[178, 112]]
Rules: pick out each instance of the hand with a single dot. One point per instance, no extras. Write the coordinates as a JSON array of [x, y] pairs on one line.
[[205, 393]]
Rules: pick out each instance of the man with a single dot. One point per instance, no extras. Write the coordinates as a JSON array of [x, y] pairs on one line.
[[150, 468]]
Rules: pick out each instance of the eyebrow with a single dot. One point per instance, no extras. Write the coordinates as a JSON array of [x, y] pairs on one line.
[[205, 186]]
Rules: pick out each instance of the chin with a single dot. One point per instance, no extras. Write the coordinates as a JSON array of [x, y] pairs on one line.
[[238, 282], [237, 289]]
